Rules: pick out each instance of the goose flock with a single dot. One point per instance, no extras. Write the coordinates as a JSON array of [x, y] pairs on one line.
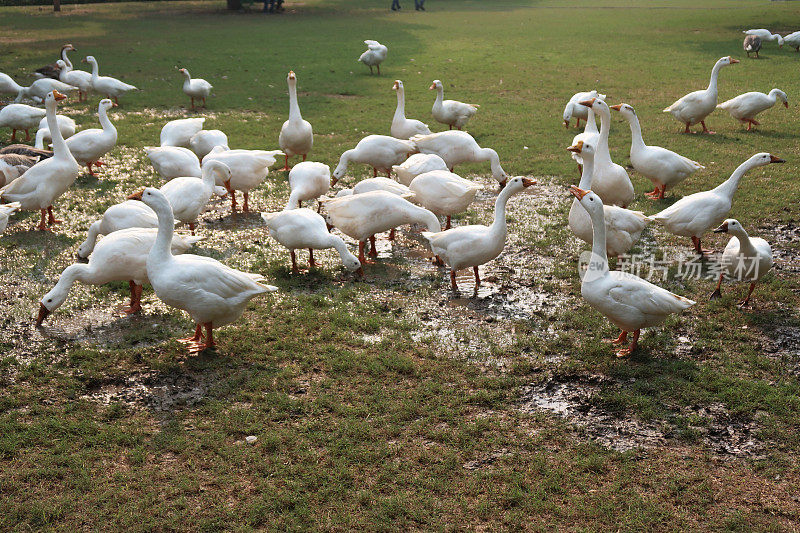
[[139, 243]]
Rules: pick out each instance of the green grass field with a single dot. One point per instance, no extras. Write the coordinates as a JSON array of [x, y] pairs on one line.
[[386, 403]]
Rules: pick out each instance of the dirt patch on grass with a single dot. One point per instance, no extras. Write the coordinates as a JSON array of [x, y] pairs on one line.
[[152, 390]]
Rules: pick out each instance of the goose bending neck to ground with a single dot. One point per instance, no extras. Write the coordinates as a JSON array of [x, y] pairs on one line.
[[402, 127], [694, 215], [456, 147], [297, 136], [745, 258], [471, 246], [213, 294], [696, 106], [381, 152], [628, 301], [765, 35]]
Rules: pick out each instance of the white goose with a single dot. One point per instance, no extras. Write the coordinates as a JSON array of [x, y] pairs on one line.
[[8, 85], [417, 164], [746, 106], [180, 132], [451, 112], [173, 161], [363, 215], [590, 134], [444, 193], [6, 210], [402, 127], [623, 226], [793, 40], [125, 215], [745, 258], [88, 146], [696, 106], [628, 301], [45, 181], [13, 166], [610, 181], [694, 215], [471, 246], [303, 228], [766, 35], [65, 125], [195, 87], [308, 181], [39, 89], [575, 109], [188, 196], [249, 168], [106, 85], [297, 136], [381, 152], [204, 141], [375, 55], [663, 167], [213, 294], [20, 117], [377, 184], [77, 78], [121, 256], [456, 147]]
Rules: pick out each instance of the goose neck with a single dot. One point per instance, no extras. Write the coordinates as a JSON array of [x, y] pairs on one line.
[[587, 173], [728, 187], [602, 154], [102, 113], [161, 250], [599, 262], [637, 142], [60, 149], [400, 112], [66, 60], [294, 107], [712, 84]]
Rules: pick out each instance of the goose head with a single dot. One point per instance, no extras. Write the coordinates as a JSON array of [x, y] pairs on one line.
[[291, 78], [727, 60], [731, 226], [780, 40], [435, 85], [351, 262], [69, 48], [50, 302], [781, 95], [52, 99], [61, 64], [517, 184], [106, 104], [218, 169], [89, 59], [762, 159], [596, 104], [153, 198], [185, 73], [585, 148], [588, 199], [397, 85], [625, 110]]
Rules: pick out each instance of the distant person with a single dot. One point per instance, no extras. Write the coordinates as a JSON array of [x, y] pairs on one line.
[[273, 6], [419, 5], [395, 5]]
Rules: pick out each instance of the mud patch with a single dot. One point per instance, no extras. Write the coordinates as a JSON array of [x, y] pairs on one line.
[[152, 391], [785, 242]]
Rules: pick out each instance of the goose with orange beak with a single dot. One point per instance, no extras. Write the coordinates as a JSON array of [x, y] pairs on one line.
[[451, 112], [629, 302], [696, 106], [402, 127], [745, 258], [297, 135]]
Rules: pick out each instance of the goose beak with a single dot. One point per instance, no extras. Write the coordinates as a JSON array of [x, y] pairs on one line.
[[396, 86], [84, 60], [137, 195], [432, 87], [616, 107], [577, 148], [58, 96], [578, 192], [775, 159], [527, 182], [43, 312], [722, 229], [786, 105], [334, 181], [588, 103], [503, 184], [566, 124], [733, 61], [292, 75]]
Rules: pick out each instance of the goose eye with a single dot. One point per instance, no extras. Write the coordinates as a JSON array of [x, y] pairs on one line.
[[49, 300]]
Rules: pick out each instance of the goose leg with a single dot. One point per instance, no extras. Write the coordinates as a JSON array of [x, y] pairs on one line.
[[477, 277], [656, 193], [373, 251], [116, 101], [624, 352], [374, 172], [295, 270], [718, 291], [191, 227], [311, 263], [136, 298], [447, 224], [370, 69], [233, 201], [687, 129], [453, 281], [198, 336], [304, 157], [379, 70], [192, 97], [747, 299], [13, 135], [27, 135], [51, 219], [699, 249], [286, 162], [438, 261], [42, 225], [578, 124], [361, 246], [391, 234], [622, 339], [89, 166], [245, 208], [209, 340], [705, 129]]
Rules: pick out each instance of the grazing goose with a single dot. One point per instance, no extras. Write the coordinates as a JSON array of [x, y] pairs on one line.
[[188, 196], [65, 124], [361, 216], [20, 117], [173, 161], [694, 215], [303, 228], [106, 85], [471, 246], [121, 256], [793, 40], [204, 141], [628, 301], [249, 168], [696, 106], [746, 106], [417, 164], [456, 147], [125, 215], [766, 35], [402, 127], [610, 181], [88, 146], [377, 184], [13, 166], [663, 167], [39, 89], [752, 43], [6, 210], [180, 132], [451, 112], [575, 109], [45, 181], [623, 226], [381, 152], [444, 193], [8, 85], [297, 136], [77, 78], [195, 88], [745, 258], [308, 181], [375, 55], [213, 294]]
